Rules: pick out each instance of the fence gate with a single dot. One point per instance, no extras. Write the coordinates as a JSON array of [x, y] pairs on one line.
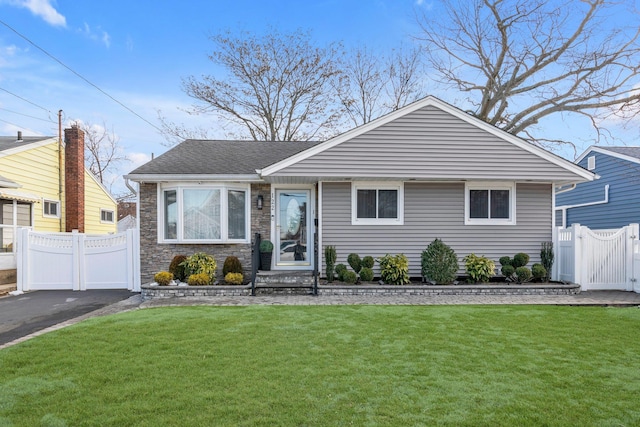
[[598, 259], [76, 261]]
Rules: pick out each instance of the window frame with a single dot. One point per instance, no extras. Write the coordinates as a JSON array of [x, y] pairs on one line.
[[113, 216], [224, 189], [372, 185], [49, 202], [489, 186]]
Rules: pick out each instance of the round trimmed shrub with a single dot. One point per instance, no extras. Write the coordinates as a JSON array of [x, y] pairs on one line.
[[523, 274], [366, 274], [505, 260], [439, 263], [355, 262], [163, 278], [340, 270], [520, 259], [231, 265], [507, 270], [234, 278], [200, 279], [350, 277], [177, 268], [538, 271], [367, 262]]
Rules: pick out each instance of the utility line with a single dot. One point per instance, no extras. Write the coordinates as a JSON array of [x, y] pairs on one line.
[[26, 115], [80, 76], [25, 100], [18, 126]]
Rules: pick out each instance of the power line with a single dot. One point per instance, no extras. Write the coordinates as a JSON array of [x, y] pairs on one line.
[[31, 117], [18, 126], [25, 100], [80, 76]]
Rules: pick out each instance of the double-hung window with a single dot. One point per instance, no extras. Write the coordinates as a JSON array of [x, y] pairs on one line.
[[107, 216], [51, 208], [377, 203], [490, 203], [213, 214]]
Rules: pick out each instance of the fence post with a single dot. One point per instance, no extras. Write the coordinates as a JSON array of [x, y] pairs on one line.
[[576, 243], [553, 274], [632, 236], [22, 259]]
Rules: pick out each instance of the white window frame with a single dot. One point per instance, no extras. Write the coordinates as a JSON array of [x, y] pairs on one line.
[[368, 185], [50, 202], [113, 216], [591, 163], [224, 213], [511, 186]]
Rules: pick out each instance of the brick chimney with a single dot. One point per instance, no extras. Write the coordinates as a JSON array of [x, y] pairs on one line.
[[74, 178]]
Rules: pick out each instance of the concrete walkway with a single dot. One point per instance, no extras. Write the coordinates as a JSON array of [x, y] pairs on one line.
[[589, 298]]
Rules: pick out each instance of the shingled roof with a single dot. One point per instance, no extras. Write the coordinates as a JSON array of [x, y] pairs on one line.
[[9, 142], [195, 157], [625, 151]]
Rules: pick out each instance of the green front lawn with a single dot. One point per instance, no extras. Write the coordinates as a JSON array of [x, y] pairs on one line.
[[331, 366]]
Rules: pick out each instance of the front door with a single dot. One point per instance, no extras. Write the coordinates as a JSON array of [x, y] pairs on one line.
[[293, 243]]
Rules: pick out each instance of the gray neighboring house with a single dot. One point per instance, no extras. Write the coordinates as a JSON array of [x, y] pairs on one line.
[[425, 171]]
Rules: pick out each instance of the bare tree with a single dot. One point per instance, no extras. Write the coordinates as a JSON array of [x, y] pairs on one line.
[[103, 153], [374, 84], [277, 86], [522, 61]]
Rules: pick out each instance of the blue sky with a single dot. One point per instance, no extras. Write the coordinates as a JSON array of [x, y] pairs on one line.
[[138, 51]]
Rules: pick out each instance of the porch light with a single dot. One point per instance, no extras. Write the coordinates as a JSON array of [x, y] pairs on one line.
[[259, 202]]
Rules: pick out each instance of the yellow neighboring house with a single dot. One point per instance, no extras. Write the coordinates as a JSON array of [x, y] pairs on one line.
[[36, 192]]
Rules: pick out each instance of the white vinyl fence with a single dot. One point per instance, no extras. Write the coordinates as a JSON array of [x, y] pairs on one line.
[[76, 261], [598, 259]]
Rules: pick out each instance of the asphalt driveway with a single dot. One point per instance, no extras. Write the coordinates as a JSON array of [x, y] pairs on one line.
[[25, 314]]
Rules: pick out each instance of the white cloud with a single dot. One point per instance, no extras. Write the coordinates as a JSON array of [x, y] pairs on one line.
[[42, 8], [137, 159], [97, 34]]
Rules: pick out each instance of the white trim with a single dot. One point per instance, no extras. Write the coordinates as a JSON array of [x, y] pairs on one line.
[[377, 185], [113, 216], [24, 146], [565, 208], [601, 150], [224, 188], [591, 163], [437, 103], [488, 185], [193, 178], [44, 207]]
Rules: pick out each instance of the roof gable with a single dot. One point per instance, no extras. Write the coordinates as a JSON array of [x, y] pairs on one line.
[[9, 145], [630, 154], [428, 139]]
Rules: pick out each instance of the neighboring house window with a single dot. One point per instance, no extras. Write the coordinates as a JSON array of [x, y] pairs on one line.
[[51, 208], [591, 163], [13, 216], [212, 214], [377, 203], [107, 216], [490, 203]]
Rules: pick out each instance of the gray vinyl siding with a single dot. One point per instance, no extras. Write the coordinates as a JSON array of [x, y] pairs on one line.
[[623, 178], [436, 210], [428, 144]]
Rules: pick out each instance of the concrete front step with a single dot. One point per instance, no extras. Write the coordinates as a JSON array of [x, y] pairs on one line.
[[284, 282]]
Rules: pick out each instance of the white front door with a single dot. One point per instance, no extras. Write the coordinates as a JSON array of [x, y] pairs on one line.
[[293, 244]]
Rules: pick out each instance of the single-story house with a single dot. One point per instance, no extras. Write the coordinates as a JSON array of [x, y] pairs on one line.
[[611, 201], [425, 171]]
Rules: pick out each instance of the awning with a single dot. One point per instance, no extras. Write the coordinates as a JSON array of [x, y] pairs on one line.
[[19, 196], [7, 183]]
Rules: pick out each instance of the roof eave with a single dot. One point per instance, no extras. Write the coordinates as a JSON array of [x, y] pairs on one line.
[[193, 177]]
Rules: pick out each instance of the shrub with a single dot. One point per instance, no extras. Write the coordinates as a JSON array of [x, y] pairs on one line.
[[546, 257], [479, 268], [367, 262], [508, 271], [366, 274], [523, 274], [349, 276], [201, 263], [520, 259], [177, 268], [394, 270], [233, 278], [330, 260], [199, 279], [163, 278], [355, 262], [505, 260], [439, 263], [539, 272], [266, 246], [231, 265], [340, 270]]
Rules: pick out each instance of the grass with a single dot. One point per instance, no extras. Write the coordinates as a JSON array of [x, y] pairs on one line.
[[330, 366]]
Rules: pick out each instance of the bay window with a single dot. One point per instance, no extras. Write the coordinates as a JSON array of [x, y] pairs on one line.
[[212, 214]]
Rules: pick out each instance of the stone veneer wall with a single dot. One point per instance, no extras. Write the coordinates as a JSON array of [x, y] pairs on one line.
[[155, 257]]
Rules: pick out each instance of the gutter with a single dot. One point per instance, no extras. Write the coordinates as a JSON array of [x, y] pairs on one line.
[[193, 177], [565, 208]]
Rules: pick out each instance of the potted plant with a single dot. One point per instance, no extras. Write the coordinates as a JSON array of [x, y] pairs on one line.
[[266, 252]]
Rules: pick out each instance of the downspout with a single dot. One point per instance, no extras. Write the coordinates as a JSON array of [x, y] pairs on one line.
[[581, 205]]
